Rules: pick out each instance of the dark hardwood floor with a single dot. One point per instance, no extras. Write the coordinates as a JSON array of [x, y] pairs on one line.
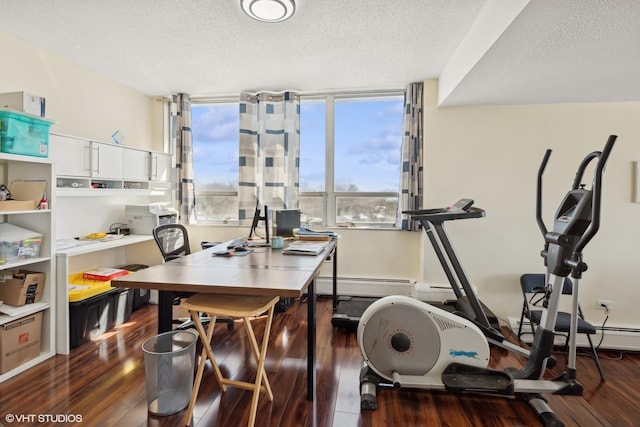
[[103, 383]]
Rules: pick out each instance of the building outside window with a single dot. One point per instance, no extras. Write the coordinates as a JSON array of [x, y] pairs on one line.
[[349, 160]]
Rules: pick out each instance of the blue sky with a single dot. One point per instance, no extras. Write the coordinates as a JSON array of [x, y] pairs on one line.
[[367, 138], [215, 142]]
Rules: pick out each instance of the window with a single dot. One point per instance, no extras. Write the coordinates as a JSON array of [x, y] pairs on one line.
[[350, 149], [215, 160], [312, 160]]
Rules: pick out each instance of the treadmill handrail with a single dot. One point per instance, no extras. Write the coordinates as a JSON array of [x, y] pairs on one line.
[[441, 215]]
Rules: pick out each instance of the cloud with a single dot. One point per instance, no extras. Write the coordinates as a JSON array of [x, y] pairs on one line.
[[215, 123]]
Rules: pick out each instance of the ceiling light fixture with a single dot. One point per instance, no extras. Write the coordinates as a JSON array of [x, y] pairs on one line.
[[269, 10]]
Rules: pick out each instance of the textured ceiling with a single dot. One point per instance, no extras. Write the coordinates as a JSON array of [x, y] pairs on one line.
[[483, 51]]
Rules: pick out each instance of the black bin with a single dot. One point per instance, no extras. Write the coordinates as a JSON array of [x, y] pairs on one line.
[[139, 297]]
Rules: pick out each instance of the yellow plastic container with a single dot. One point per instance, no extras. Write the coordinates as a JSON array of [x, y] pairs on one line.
[[80, 288]]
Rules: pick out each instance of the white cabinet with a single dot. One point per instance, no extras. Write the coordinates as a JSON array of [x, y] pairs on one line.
[[136, 164], [86, 168], [160, 167], [106, 161], [15, 167], [72, 155], [76, 157]]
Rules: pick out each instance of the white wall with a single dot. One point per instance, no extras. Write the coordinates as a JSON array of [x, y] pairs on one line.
[[81, 102], [361, 253], [85, 104], [492, 153]]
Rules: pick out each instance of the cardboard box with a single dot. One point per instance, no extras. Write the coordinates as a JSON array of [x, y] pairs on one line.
[[20, 341], [26, 195], [24, 102], [20, 287]]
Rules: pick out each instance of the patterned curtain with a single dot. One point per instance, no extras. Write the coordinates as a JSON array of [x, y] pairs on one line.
[[412, 162], [269, 152], [184, 159]]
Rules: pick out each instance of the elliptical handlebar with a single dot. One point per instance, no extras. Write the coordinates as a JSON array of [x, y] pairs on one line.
[[574, 261], [583, 165], [596, 191], [543, 166]]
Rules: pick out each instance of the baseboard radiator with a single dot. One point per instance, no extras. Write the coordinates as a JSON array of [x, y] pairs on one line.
[[360, 286], [613, 338]]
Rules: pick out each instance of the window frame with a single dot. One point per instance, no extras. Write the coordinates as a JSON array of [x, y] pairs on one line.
[[329, 195]]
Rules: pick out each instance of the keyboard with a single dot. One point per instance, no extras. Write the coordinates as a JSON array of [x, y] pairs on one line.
[[240, 241]]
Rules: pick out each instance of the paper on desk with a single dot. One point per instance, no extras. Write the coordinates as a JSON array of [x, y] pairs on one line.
[[306, 232], [304, 248], [62, 244]]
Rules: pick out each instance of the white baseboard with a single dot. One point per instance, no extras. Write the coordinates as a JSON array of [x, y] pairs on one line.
[[614, 339], [364, 287]]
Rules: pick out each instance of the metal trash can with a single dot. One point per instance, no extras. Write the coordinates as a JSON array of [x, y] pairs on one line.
[[169, 360]]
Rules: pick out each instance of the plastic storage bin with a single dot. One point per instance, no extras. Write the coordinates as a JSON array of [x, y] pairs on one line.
[[140, 297], [24, 134], [169, 360], [17, 243], [95, 307], [122, 305], [90, 317]]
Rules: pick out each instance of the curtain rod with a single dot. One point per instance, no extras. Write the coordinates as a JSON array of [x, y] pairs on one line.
[[309, 94]]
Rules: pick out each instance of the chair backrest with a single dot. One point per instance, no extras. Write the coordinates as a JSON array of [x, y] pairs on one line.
[[533, 283], [172, 240]]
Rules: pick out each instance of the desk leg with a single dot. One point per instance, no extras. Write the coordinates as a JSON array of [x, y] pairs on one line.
[[165, 311], [311, 340], [335, 278]]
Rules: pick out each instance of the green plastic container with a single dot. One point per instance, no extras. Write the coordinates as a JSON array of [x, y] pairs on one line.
[[24, 134]]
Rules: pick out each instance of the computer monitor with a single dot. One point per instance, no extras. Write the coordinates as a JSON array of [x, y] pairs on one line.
[[287, 220], [257, 218]]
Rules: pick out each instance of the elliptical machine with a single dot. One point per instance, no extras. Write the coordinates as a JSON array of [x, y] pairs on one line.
[[410, 343]]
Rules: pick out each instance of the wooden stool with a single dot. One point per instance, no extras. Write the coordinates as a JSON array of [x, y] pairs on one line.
[[240, 306]]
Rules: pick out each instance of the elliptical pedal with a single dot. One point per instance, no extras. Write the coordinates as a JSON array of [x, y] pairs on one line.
[[458, 377]]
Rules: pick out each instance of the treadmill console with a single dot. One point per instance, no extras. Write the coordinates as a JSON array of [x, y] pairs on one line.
[[461, 205]]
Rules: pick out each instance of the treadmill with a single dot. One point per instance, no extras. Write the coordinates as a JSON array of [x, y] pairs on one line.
[[348, 310], [466, 304]]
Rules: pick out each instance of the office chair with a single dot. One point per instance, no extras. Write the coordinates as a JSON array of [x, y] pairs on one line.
[[173, 242], [533, 291]]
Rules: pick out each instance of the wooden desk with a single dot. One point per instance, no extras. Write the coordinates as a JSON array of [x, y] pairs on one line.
[[264, 271]]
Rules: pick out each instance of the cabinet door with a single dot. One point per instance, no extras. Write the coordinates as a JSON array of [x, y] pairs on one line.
[[160, 167], [106, 161], [136, 164], [71, 155]]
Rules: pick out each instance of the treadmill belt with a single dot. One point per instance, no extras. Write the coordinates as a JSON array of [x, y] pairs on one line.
[[350, 310], [354, 307]]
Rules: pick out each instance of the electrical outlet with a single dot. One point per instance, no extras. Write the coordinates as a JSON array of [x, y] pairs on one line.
[[604, 304]]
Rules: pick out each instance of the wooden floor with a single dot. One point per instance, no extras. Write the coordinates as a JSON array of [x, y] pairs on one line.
[[103, 382]]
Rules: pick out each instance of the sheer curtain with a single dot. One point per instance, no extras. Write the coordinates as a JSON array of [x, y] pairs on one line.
[[269, 159], [184, 158], [411, 193]]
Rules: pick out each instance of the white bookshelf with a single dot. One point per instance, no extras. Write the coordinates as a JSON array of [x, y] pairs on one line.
[[17, 167]]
